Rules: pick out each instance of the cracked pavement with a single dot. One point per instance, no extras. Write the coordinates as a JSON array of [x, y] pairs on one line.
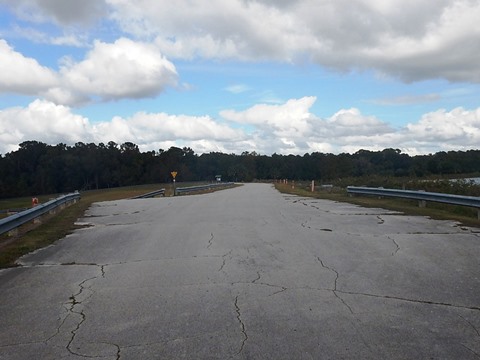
[[246, 273]]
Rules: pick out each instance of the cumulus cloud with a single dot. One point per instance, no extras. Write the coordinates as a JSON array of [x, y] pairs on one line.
[[50, 123], [351, 122], [109, 71], [21, 74], [289, 128], [292, 128], [458, 126], [409, 39], [292, 118], [41, 121], [147, 128], [123, 69]]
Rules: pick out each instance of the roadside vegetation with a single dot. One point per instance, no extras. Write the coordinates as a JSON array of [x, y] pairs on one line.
[[37, 168]]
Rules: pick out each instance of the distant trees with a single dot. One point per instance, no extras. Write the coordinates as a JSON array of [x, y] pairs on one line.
[[38, 168]]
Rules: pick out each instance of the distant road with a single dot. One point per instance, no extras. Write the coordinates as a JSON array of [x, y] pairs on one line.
[[246, 273]]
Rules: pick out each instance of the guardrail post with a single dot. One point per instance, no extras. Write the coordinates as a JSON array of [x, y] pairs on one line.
[[422, 203]]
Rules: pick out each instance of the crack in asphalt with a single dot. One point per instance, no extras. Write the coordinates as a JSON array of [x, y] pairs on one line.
[[210, 242], [74, 307], [224, 257], [102, 266], [119, 351], [334, 290], [418, 301], [242, 325], [472, 351], [471, 325], [380, 220], [282, 288], [74, 303], [331, 269], [396, 244]]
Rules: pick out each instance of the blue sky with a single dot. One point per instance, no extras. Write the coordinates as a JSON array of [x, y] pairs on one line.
[[286, 76]]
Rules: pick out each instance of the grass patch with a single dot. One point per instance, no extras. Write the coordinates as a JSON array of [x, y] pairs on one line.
[[464, 215]]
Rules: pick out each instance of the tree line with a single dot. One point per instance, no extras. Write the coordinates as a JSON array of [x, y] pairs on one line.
[[39, 168]]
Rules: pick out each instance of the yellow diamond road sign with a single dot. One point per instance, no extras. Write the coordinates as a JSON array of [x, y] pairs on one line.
[[174, 173]]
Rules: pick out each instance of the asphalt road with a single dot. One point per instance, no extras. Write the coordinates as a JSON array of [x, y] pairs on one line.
[[246, 273]]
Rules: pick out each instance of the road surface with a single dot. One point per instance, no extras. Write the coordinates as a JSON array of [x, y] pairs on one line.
[[246, 273]]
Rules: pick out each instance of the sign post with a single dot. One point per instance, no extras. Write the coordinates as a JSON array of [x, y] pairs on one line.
[[174, 174]]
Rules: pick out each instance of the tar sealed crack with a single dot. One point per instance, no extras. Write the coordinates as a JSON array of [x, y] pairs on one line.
[[76, 309], [224, 262], [334, 290], [210, 242], [395, 243], [242, 326], [418, 301]]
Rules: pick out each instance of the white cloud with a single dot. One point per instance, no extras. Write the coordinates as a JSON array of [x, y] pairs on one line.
[[44, 121], [459, 126], [410, 39], [291, 119], [348, 122], [109, 71], [289, 128], [145, 128], [21, 74], [123, 69], [41, 121]]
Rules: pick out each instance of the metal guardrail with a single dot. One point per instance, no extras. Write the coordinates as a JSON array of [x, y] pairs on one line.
[[13, 221], [202, 187], [150, 194], [470, 201]]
